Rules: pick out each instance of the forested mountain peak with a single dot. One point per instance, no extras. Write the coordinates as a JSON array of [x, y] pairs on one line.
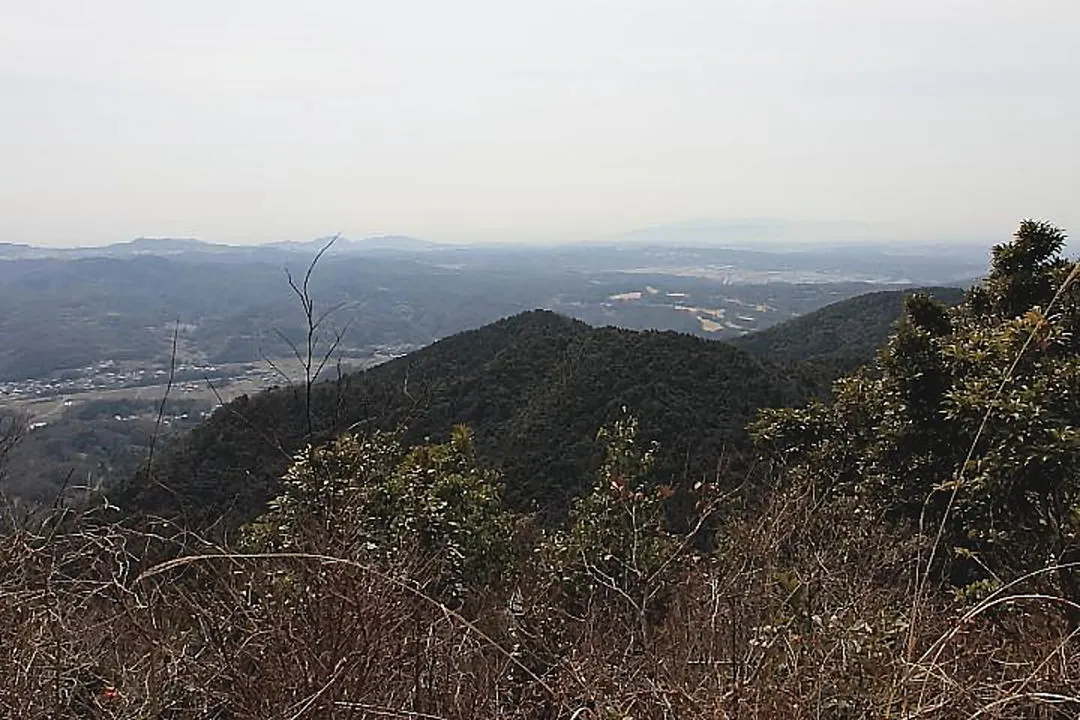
[[534, 387]]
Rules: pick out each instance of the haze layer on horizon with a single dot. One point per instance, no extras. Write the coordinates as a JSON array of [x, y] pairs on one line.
[[495, 120]]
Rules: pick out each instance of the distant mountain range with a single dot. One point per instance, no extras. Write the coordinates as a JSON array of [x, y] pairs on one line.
[[394, 243], [764, 234], [68, 308], [177, 246]]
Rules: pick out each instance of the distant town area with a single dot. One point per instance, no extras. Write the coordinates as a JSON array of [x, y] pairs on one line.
[[46, 398]]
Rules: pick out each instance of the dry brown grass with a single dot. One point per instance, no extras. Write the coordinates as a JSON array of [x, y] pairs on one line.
[[798, 615]]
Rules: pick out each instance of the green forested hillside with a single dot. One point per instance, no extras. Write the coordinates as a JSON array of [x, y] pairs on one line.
[[535, 388], [848, 331]]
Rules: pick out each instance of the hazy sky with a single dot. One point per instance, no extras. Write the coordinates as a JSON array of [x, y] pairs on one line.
[[256, 120]]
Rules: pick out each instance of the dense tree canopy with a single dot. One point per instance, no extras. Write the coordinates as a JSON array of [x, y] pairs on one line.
[[534, 388]]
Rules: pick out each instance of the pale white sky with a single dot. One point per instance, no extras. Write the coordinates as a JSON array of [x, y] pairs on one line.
[[256, 120]]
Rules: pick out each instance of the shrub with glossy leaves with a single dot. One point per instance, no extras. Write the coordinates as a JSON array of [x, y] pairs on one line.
[[369, 498], [969, 416], [617, 546]]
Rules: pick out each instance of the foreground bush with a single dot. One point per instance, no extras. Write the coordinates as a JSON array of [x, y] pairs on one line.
[[966, 423]]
